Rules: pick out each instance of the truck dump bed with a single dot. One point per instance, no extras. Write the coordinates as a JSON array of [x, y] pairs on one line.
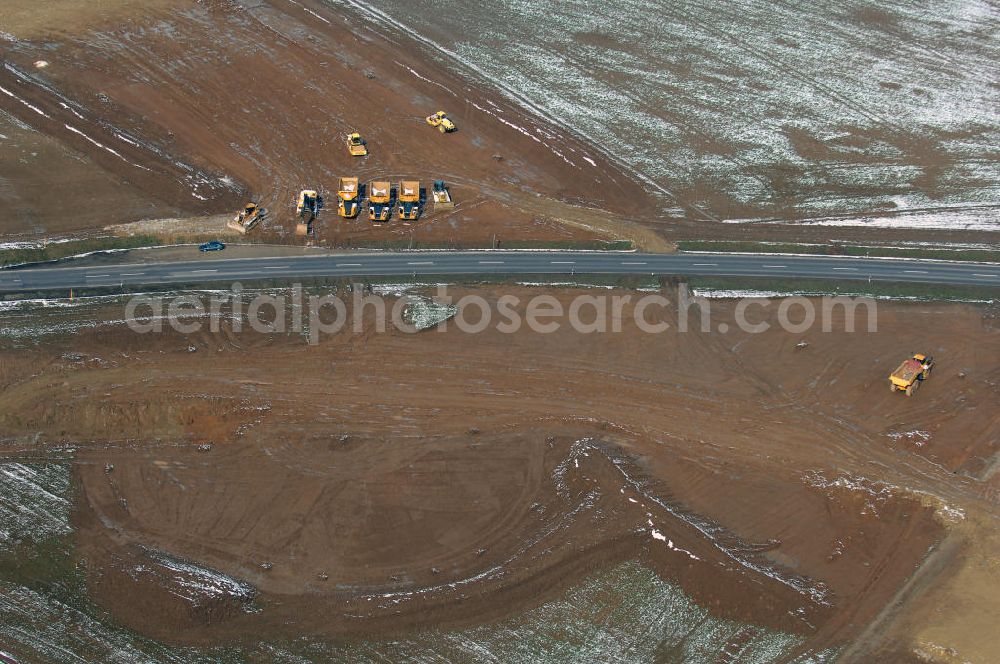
[[348, 188], [379, 192], [907, 372], [409, 191]]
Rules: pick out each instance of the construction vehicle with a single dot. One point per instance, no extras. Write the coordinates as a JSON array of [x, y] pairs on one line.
[[442, 197], [307, 208], [249, 216], [348, 204], [441, 121], [308, 204], [409, 200], [356, 145], [908, 376], [379, 200]]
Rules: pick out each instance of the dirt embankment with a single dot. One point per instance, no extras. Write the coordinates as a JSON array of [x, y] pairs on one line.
[[381, 482], [188, 108]]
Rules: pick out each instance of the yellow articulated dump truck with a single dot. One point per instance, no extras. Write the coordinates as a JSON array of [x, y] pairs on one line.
[[379, 200], [908, 376], [347, 195], [409, 200]]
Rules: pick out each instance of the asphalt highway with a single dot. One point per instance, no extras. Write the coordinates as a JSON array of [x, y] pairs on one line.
[[217, 268]]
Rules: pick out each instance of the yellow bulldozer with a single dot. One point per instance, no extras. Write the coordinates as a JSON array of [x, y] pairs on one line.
[[248, 217], [908, 375], [441, 121], [379, 200], [442, 197], [356, 145], [347, 198], [409, 200]]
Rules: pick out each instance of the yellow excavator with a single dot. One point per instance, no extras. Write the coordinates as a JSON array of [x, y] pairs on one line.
[[908, 375], [307, 208], [441, 121], [379, 200], [409, 200], [347, 195], [356, 145]]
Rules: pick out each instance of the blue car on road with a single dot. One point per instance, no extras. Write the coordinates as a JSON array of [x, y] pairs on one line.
[[214, 245]]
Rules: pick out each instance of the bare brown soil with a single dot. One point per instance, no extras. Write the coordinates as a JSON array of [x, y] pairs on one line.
[[188, 108], [381, 482], [194, 107]]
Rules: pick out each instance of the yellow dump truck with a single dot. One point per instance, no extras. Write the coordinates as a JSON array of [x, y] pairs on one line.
[[441, 121], [409, 200], [908, 376], [347, 195], [379, 200], [356, 145]]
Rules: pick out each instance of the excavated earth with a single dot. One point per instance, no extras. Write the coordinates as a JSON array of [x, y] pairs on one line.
[[187, 109], [178, 109], [384, 482]]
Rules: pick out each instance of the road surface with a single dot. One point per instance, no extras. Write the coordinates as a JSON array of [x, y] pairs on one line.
[[216, 268]]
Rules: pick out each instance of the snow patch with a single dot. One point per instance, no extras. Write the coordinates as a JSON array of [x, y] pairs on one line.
[[918, 438], [34, 108], [104, 147]]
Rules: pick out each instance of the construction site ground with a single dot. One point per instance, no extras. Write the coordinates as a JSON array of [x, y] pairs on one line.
[[620, 497], [188, 109], [366, 493]]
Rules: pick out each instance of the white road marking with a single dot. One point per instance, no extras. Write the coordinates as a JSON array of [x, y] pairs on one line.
[[561, 262], [632, 263], [348, 264], [705, 264], [421, 263], [97, 276], [131, 274], [192, 273], [276, 267], [914, 271], [988, 276], [774, 266], [491, 262], [846, 268]]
